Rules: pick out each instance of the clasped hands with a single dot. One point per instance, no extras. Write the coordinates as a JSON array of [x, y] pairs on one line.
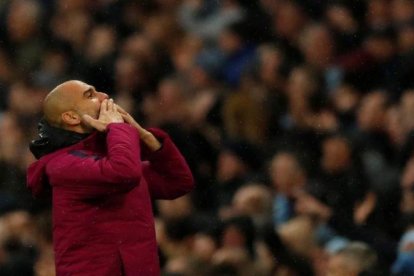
[[113, 113]]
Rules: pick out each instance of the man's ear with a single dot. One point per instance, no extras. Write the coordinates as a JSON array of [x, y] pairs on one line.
[[71, 118]]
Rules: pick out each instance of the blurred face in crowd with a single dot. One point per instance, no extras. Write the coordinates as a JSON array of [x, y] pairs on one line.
[[72, 28], [25, 100], [338, 266], [170, 99], [200, 78], [301, 82], [179, 265], [298, 234], [393, 125], [336, 155], [229, 42], [251, 200], [289, 20], [11, 138], [406, 38], [286, 174], [72, 5], [185, 53], [340, 17], [402, 10], [407, 187], [162, 30], [5, 67], [204, 247], [353, 259], [22, 19], [378, 13], [229, 166], [345, 98], [170, 93], [407, 178], [318, 46], [407, 110], [177, 208], [233, 237], [55, 63], [128, 73], [139, 47], [270, 62], [371, 114], [19, 225], [68, 102], [381, 48], [236, 258], [102, 41]]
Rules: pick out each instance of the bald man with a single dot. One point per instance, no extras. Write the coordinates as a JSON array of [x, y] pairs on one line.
[[104, 170]]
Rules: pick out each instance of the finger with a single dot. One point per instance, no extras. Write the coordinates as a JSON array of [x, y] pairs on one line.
[[111, 105], [93, 122], [104, 105]]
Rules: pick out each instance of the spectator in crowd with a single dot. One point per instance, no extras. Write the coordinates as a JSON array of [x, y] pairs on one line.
[[288, 178], [404, 264], [255, 201], [354, 259]]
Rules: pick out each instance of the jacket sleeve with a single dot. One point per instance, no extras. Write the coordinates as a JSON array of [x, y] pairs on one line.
[[92, 176], [167, 172]]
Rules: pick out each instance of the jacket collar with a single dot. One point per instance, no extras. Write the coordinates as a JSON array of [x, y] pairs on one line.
[[51, 139]]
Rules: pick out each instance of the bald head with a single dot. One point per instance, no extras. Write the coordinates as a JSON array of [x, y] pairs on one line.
[[67, 103], [60, 100]]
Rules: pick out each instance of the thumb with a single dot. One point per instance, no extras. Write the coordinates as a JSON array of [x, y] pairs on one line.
[[93, 122]]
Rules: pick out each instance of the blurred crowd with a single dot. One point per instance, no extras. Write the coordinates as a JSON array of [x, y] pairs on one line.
[[296, 118]]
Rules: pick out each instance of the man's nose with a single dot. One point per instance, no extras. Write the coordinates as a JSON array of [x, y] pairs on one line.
[[102, 96]]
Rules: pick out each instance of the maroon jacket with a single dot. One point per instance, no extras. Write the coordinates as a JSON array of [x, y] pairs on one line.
[[101, 192]]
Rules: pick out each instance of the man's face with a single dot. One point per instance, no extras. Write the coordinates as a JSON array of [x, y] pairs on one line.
[[86, 99]]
